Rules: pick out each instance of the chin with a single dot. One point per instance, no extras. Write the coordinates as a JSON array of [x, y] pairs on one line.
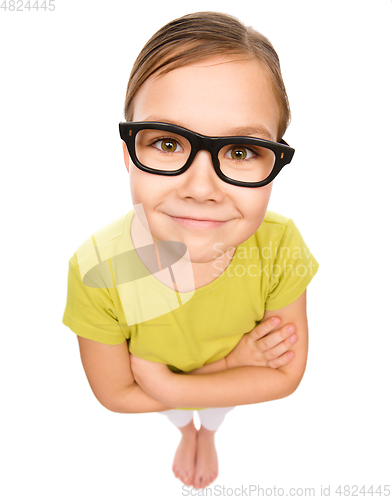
[[201, 255]]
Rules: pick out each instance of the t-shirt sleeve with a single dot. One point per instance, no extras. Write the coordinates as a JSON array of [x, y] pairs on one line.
[[90, 312], [293, 269]]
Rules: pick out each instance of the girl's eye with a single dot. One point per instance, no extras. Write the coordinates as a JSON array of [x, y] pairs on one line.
[[240, 153], [168, 145]]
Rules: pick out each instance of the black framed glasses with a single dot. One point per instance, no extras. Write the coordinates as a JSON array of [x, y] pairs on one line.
[[166, 149]]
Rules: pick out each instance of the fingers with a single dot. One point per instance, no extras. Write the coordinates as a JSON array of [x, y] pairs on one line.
[[282, 360], [275, 346], [264, 328], [277, 337], [281, 355]]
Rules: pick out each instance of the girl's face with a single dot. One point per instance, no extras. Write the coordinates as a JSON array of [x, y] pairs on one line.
[[214, 97]]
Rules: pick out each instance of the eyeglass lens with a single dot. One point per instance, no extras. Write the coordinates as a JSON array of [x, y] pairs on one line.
[[165, 151]]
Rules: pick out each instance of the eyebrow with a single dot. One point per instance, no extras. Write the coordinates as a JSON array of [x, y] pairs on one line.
[[258, 131], [252, 132]]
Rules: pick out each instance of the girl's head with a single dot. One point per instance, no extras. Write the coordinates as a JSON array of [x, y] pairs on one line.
[[207, 73], [199, 36]]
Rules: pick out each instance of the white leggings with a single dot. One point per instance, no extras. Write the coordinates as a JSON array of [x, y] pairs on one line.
[[210, 418]]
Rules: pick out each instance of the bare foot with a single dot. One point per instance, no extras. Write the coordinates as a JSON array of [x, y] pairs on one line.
[[206, 459], [185, 457]]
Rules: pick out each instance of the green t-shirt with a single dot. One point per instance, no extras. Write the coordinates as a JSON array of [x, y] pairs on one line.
[[185, 331]]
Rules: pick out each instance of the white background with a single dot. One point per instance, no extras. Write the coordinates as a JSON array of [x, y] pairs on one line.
[[63, 82]]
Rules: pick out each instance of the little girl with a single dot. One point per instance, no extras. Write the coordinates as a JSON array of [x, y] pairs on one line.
[[201, 283]]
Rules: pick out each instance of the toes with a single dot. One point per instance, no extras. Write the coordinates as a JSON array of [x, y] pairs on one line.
[[208, 480], [186, 479], [202, 482]]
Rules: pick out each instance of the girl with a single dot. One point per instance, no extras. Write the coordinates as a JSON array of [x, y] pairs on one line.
[[200, 282]]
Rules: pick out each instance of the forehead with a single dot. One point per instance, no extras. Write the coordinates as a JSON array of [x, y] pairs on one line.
[[212, 97]]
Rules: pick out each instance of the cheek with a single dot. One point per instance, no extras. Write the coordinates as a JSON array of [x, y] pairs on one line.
[[141, 184], [133, 182], [256, 204], [149, 189], [254, 200]]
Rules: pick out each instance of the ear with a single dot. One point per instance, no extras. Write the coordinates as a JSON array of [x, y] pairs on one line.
[[126, 155]]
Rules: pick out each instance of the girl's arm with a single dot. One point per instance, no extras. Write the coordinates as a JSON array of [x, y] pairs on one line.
[[265, 345], [238, 386], [109, 374]]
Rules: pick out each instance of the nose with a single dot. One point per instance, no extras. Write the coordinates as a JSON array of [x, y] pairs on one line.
[[200, 180]]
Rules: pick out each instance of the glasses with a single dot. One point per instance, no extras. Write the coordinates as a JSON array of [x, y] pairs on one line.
[[166, 149]]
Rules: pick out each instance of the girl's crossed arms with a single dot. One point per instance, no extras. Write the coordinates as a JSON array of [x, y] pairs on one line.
[[259, 369]]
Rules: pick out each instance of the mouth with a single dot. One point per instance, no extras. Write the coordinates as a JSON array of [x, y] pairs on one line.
[[198, 223]]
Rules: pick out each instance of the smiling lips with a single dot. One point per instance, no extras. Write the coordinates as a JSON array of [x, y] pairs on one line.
[[197, 222]]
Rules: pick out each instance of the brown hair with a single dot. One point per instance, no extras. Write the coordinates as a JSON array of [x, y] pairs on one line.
[[201, 35]]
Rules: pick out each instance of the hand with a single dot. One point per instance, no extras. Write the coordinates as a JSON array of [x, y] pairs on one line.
[[260, 347], [152, 377]]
